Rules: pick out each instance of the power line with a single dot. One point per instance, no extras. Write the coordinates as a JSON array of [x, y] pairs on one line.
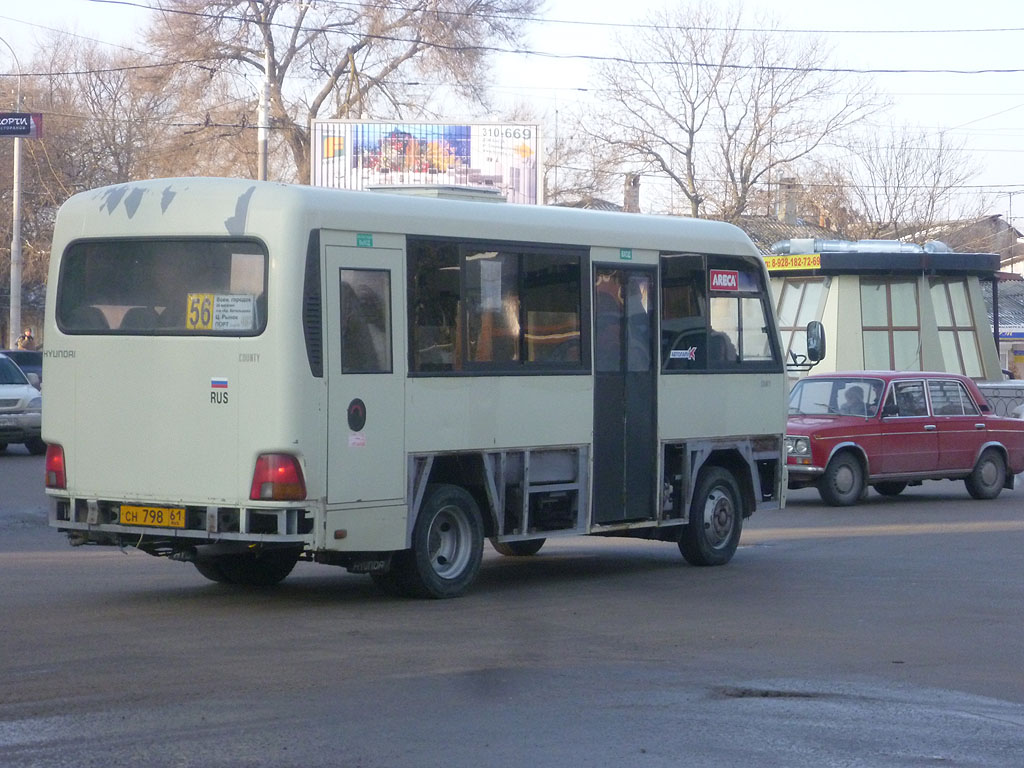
[[593, 57], [587, 57], [631, 25], [69, 34]]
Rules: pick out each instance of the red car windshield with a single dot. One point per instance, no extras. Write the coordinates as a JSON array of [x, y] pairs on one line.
[[838, 396]]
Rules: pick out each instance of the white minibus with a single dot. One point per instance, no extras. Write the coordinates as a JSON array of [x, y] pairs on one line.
[[244, 374]]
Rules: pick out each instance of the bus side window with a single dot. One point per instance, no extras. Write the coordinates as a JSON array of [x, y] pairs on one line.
[[365, 321], [435, 322], [684, 335], [740, 317]]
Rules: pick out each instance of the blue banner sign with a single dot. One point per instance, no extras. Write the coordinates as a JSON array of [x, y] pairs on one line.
[[24, 124]]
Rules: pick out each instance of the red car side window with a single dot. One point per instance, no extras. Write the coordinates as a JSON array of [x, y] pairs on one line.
[[909, 399]]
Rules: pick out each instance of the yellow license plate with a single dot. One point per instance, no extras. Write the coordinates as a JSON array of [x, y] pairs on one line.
[[161, 517]]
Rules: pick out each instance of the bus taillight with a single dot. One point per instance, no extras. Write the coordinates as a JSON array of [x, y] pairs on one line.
[[277, 477], [55, 475]]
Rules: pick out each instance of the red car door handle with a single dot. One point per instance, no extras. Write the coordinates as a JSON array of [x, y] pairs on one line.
[[929, 427], [979, 426]]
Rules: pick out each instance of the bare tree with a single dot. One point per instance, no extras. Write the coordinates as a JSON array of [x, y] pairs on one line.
[[716, 108], [905, 181], [109, 119], [339, 60], [577, 168]]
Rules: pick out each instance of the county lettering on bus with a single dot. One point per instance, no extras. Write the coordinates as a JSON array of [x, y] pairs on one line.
[[387, 382]]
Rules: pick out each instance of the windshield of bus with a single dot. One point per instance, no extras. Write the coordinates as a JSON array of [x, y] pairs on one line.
[[841, 396], [206, 287]]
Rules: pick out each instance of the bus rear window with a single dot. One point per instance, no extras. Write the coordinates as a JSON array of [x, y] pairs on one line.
[[205, 287]]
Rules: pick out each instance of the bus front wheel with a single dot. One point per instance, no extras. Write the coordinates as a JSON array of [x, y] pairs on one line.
[[716, 519], [447, 545]]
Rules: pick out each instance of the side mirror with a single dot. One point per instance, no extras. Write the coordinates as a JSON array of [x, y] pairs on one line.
[[815, 342], [815, 349], [33, 379]]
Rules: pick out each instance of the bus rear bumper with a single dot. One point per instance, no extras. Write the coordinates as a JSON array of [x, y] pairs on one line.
[[95, 521]]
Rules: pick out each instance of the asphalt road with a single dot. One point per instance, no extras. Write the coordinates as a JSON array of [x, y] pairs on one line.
[[889, 634]]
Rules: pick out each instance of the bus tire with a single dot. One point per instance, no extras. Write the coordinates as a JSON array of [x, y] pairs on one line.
[[716, 519], [447, 545], [843, 481], [258, 570], [518, 548], [988, 476]]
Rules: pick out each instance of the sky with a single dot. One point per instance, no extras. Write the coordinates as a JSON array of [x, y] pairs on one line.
[[985, 111]]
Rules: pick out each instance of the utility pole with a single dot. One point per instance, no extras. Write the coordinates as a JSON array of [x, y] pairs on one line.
[[262, 130], [15, 316]]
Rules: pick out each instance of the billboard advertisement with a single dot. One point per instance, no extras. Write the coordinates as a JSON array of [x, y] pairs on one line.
[[24, 124], [358, 154]]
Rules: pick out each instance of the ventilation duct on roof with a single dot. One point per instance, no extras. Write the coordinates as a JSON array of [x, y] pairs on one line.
[[808, 245]]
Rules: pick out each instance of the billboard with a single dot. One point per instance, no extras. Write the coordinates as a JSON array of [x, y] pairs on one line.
[[357, 154], [24, 124]]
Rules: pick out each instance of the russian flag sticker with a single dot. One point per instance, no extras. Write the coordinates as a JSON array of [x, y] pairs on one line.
[[218, 383]]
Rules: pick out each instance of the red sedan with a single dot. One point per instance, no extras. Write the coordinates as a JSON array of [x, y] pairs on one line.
[[889, 429]]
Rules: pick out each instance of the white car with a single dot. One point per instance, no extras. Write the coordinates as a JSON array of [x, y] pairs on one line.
[[21, 408]]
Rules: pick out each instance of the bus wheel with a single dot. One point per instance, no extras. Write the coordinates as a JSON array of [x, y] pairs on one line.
[[518, 548], [447, 544], [257, 570], [716, 520], [988, 476]]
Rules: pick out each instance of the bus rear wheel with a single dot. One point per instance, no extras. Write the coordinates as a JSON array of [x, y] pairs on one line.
[[447, 545], [716, 519]]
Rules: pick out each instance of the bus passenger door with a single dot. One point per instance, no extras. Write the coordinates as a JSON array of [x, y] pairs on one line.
[[625, 395], [365, 362]]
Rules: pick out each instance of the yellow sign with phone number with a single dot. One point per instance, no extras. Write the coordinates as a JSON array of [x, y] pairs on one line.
[[792, 262]]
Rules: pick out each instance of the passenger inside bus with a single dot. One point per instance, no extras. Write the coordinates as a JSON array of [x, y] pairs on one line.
[[87, 317], [607, 327]]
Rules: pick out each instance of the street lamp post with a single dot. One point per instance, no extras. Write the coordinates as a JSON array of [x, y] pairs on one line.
[[263, 129], [15, 322]]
